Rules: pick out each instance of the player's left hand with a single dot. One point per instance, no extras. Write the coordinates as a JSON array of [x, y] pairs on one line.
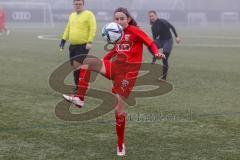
[[61, 45], [160, 56], [88, 46]]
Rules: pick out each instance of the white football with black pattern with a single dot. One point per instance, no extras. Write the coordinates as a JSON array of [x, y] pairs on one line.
[[112, 32]]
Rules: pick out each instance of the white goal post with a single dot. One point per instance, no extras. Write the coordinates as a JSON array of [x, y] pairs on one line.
[[28, 14]]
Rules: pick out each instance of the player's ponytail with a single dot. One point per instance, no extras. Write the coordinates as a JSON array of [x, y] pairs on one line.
[[125, 11]]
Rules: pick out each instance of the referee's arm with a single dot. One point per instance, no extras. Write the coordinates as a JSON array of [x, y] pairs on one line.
[[66, 32], [92, 28], [65, 37]]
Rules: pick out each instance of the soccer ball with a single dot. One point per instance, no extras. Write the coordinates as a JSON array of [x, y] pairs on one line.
[[112, 32]]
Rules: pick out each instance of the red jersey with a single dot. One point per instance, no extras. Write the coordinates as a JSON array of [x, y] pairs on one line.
[[123, 70], [131, 45]]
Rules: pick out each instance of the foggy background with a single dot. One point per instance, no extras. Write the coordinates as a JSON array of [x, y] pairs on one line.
[[46, 13]]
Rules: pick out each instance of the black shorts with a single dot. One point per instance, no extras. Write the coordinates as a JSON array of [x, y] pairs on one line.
[[78, 53], [166, 45]]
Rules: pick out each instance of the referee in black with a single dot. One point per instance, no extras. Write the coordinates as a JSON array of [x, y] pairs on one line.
[[162, 37]]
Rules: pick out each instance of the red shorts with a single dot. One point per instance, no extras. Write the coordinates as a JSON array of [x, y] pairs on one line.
[[123, 75]]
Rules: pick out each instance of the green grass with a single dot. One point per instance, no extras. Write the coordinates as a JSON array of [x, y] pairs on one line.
[[198, 120]]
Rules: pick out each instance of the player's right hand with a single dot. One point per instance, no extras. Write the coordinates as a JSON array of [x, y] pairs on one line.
[[160, 56]]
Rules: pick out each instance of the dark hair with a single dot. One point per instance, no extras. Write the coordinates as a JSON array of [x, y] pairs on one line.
[[125, 11], [78, 0], [152, 11]]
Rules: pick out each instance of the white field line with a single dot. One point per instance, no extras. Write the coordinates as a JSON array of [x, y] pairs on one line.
[[209, 45], [54, 38], [212, 37], [48, 37]]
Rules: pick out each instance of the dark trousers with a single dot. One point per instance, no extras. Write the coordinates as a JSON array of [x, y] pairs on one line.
[[77, 53], [166, 45]]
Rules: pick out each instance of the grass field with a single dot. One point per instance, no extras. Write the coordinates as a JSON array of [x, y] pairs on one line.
[[198, 120]]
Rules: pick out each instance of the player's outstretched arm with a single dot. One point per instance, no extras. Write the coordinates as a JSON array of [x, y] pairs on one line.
[[153, 48]]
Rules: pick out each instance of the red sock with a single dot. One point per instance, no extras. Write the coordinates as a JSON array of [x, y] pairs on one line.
[[120, 126], [84, 78]]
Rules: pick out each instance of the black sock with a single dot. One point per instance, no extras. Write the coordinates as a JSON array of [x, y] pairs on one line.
[[76, 77]]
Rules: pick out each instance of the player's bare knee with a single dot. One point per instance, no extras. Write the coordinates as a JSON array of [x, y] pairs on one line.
[[93, 63], [76, 64]]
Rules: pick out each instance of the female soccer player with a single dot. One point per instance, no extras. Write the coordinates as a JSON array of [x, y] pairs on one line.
[[122, 71]]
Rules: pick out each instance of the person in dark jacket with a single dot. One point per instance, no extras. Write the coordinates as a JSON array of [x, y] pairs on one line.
[[161, 31]]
